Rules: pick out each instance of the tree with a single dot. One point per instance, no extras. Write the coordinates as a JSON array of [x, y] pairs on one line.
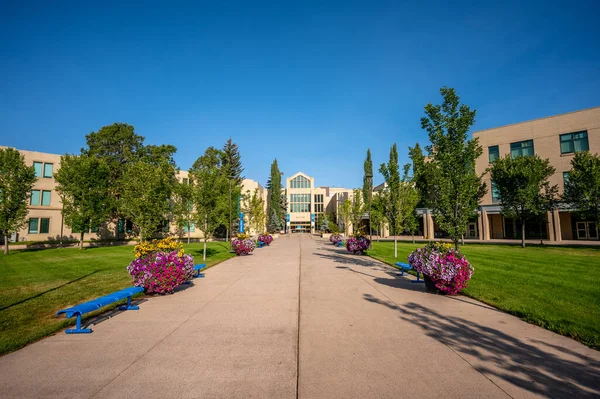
[[145, 193], [254, 209], [345, 213], [582, 188], [16, 182], [183, 207], [367, 189], [274, 201], [409, 199], [232, 163], [378, 213], [454, 187], [210, 192], [323, 222], [83, 186], [274, 222], [390, 195], [357, 211], [523, 187]]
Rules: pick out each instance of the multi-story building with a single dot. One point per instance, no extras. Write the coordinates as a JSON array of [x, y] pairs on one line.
[[556, 138]]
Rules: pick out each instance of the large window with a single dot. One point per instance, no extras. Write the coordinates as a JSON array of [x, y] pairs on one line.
[[574, 142], [35, 198], [299, 202], [45, 198], [494, 153], [521, 149], [189, 227], [318, 203], [39, 226], [38, 166], [34, 225], [565, 178], [300, 182], [48, 170], [43, 169], [495, 193]]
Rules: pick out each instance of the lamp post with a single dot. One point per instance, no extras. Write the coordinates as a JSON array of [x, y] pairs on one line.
[[369, 178]]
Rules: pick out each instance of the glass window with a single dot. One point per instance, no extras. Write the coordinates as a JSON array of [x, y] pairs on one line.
[[300, 182], [494, 153], [38, 169], [121, 226], [189, 226], [46, 198], [522, 149], [495, 193], [48, 170], [574, 142], [565, 177], [33, 226], [35, 197], [44, 225], [94, 229]]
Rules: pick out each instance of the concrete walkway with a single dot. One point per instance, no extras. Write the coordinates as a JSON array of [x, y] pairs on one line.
[[304, 319]]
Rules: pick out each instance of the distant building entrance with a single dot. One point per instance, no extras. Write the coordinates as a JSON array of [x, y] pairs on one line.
[[300, 227]]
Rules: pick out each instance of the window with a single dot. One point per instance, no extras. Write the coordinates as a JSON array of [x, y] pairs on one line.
[[33, 226], [45, 198], [94, 229], [574, 142], [38, 168], [300, 182], [124, 225], [495, 193], [494, 153], [48, 170], [35, 198], [299, 202], [521, 149], [189, 226], [565, 178], [44, 225]]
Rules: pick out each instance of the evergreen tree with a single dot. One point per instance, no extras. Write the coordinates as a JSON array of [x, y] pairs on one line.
[[232, 162], [16, 182], [274, 200]]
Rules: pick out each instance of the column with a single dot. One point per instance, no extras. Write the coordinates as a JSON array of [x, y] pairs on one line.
[[550, 226], [479, 226], [557, 227], [485, 225]]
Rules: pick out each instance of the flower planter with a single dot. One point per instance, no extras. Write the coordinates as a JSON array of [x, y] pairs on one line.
[[326, 235], [430, 285]]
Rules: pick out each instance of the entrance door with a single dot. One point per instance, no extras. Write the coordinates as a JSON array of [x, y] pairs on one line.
[[472, 230], [581, 231], [592, 229]]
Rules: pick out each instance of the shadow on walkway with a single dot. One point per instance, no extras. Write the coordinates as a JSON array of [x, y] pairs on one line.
[[515, 361]]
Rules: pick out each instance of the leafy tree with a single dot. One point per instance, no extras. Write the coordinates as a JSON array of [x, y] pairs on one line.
[[523, 187], [254, 210], [210, 192], [454, 188], [582, 189], [378, 213], [345, 213], [16, 182], [332, 226], [183, 207], [83, 185], [390, 195], [421, 174], [274, 202], [409, 199], [158, 154], [145, 193], [367, 189], [357, 211]]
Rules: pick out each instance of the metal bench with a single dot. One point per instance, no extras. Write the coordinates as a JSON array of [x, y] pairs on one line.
[[405, 266], [260, 244], [198, 268], [91, 306]]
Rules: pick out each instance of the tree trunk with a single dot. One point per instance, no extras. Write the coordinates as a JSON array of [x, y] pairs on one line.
[[189, 233], [395, 246], [455, 244], [205, 229], [413, 237], [5, 245], [81, 241], [523, 233], [462, 240]]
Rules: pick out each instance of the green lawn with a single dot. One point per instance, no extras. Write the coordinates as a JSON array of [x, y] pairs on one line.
[[35, 284], [557, 288]]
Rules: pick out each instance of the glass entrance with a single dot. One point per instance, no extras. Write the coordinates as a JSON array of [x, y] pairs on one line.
[[587, 230]]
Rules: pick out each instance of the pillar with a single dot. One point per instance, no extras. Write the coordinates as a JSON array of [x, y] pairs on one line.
[[485, 225], [550, 226], [557, 227], [479, 226]]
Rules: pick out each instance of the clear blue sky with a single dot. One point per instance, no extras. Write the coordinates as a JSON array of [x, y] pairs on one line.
[[312, 84]]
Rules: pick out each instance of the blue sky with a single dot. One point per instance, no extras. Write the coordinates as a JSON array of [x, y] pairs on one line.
[[313, 84]]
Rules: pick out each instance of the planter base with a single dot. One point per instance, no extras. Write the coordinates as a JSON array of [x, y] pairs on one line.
[[430, 285]]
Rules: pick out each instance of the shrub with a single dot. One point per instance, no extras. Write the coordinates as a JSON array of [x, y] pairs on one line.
[[160, 272], [357, 244], [335, 238], [449, 270], [266, 238], [243, 246]]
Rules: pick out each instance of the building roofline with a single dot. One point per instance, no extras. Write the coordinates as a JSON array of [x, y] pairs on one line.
[[537, 119]]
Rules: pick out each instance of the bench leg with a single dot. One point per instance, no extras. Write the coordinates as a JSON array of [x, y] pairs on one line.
[[129, 306], [78, 329], [418, 280]]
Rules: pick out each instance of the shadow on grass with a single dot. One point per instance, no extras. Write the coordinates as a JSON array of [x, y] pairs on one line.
[[538, 369], [47, 291], [200, 252]]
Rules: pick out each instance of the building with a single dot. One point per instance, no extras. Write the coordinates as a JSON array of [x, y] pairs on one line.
[[45, 222], [556, 138], [307, 203]]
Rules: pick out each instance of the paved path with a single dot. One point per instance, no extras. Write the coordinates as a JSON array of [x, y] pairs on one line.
[[304, 319]]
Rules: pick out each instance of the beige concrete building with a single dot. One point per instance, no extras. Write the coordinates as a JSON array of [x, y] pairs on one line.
[[556, 138]]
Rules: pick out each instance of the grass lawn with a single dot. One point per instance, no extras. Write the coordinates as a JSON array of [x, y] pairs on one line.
[[557, 288], [35, 284]]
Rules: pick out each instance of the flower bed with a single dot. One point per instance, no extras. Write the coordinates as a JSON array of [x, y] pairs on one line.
[[158, 269], [266, 238], [335, 238], [357, 244], [243, 244], [448, 269]]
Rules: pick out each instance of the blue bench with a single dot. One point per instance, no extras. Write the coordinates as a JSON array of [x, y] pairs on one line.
[[91, 306], [405, 266], [198, 268], [260, 244], [339, 244]]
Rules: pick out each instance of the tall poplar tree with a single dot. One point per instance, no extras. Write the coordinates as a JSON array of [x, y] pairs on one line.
[[16, 182], [367, 189], [454, 187], [390, 195], [274, 203]]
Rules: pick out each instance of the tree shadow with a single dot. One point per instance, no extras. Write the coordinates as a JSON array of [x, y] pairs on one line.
[[200, 252], [47, 291], [540, 371]]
